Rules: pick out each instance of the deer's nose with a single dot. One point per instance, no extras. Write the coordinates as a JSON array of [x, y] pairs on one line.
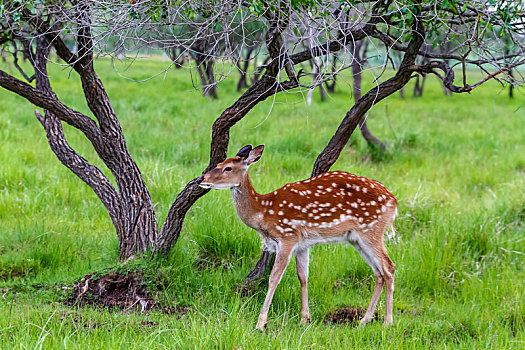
[[200, 178]]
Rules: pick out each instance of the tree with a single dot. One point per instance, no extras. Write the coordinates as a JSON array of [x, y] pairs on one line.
[[359, 57], [89, 23]]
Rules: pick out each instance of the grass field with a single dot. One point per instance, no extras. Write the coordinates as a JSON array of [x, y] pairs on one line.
[[456, 164]]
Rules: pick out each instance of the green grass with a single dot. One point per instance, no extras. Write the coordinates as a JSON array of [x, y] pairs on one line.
[[456, 164]]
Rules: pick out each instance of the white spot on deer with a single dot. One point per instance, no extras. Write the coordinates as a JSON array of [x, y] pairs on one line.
[[365, 189], [361, 219], [317, 217], [270, 212], [333, 210], [354, 204], [349, 211], [367, 214], [274, 192], [383, 208], [306, 181], [372, 186], [373, 203], [329, 189], [280, 212], [303, 210], [334, 184], [356, 188], [279, 228], [320, 187]]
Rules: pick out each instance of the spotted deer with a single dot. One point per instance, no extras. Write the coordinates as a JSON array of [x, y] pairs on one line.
[[332, 207]]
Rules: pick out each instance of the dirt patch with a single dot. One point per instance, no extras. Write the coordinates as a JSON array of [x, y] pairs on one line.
[[114, 290], [123, 292], [346, 315]]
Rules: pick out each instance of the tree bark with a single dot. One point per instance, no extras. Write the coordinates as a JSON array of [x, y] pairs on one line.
[[359, 49]]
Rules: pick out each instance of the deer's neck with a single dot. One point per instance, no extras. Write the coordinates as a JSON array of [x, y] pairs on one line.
[[246, 201]]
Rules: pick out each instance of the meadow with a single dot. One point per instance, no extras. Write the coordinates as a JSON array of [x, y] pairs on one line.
[[456, 164]]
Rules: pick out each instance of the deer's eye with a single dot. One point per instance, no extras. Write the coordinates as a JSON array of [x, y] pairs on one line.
[[228, 168]]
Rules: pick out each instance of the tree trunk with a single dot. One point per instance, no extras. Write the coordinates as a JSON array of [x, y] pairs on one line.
[[211, 88], [330, 84], [402, 92], [243, 69], [357, 64], [418, 87], [130, 208]]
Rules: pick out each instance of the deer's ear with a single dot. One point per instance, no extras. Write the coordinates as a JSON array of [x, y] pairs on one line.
[[244, 152], [255, 154]]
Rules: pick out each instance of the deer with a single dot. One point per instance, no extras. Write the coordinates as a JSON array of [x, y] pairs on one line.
[[331, 207]]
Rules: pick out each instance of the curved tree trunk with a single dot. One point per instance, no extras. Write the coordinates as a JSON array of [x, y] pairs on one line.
[[130, 208]]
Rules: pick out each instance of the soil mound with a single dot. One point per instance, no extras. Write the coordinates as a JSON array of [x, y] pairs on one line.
[[114, 290], [346, 315]]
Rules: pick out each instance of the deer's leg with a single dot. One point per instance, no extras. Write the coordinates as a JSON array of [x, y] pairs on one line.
[[281, 262], [370, 257], [301, 263], [388, 271]]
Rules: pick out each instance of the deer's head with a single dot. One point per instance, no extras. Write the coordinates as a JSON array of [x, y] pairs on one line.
[[229, 174]]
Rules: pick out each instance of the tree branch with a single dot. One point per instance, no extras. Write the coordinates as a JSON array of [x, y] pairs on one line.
[[40, 99], [448, 78], [88, 173]]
